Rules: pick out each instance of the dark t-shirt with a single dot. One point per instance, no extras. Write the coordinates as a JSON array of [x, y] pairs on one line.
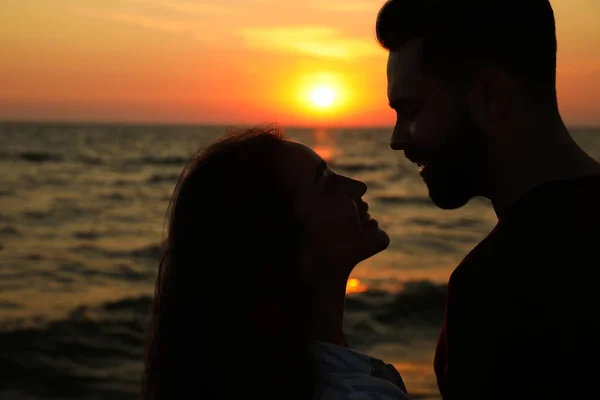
[[522, 310]]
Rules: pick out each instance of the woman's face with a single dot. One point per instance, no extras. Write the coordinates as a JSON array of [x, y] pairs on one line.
[[338, 231]]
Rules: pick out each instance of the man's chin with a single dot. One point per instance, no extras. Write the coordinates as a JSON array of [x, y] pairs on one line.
[[449, 200]]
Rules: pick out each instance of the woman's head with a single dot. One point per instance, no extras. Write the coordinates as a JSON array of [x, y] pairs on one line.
[[255, 221], [337, 230]]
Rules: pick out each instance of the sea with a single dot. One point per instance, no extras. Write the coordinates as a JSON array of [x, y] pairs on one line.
[[82, 210]]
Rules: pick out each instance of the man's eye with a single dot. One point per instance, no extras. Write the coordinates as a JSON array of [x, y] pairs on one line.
[[408, 111]]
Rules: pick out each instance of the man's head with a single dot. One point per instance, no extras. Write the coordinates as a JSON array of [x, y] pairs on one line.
[[457, 72]]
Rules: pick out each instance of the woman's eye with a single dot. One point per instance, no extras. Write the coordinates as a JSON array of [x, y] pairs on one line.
[[330, 181]]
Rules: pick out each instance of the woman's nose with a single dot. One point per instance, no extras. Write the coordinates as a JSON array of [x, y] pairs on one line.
[[352, 187], [360, 188]]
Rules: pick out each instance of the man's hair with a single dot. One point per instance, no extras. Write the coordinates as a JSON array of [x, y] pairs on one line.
[[461, 37]]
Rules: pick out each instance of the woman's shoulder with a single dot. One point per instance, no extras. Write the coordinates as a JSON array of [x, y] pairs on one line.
[[351, 375], [359, 387]]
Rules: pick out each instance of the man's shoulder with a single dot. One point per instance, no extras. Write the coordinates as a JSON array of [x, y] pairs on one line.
[[477, 261], [558, 208], [493, 266]]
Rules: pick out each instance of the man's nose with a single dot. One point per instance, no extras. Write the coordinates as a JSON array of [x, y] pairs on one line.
[[400, 139]]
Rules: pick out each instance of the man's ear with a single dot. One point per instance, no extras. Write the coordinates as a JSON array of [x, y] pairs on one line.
[[490, 97]]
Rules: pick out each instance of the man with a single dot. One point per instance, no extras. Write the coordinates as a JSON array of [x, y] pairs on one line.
[[473, 83]]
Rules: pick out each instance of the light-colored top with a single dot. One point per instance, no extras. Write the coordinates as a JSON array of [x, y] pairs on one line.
[[349, 375]]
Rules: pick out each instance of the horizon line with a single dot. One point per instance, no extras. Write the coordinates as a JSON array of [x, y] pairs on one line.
[[117, 123], [188, 124]]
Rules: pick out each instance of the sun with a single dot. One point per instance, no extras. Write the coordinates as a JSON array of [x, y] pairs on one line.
[[322, 96]]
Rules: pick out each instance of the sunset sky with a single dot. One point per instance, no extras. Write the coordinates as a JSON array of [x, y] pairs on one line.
[[309, 62]]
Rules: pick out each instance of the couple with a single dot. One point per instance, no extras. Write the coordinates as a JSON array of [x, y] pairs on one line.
[[473, 85]]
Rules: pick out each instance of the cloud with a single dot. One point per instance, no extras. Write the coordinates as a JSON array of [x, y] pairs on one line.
[[152, 23], [188, 7], [162, 25], [169, 26], [355, 6], [314, 40]]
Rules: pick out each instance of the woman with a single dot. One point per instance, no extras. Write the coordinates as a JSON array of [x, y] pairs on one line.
[[262, 237]]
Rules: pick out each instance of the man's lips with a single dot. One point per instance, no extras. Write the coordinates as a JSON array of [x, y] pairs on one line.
[[419, 158], [416, 158]]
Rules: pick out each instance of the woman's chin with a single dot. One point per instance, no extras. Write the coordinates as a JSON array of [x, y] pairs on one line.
[[381, 240], [373, 243]]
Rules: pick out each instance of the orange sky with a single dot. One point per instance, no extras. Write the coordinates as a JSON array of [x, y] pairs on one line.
[[230, 61]]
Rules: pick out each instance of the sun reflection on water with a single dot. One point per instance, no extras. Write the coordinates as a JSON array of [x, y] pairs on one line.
[[324, 145], [354, 285]]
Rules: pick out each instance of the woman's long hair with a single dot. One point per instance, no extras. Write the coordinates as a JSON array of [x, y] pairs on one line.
[[230, 316]]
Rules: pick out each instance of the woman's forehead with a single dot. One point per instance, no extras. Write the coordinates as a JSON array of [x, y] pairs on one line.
[[299, 162], [300, 153]]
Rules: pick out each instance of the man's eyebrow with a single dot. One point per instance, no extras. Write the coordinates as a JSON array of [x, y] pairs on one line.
[[320, 169]]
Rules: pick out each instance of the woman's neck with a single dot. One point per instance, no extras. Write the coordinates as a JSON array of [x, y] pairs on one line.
[[327, 312]]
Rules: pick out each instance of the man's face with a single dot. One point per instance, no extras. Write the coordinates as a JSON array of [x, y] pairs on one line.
[[435, 130]]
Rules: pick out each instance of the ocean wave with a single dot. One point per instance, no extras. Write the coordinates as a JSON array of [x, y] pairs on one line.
[[113, 196], [91, 160], [358, 167], [163, 178], [420, 302], [96, 351], [9, 231], [88, 235], [9, 305], [82, 356], [6, 218], [415, 313], [162, 160], [119, 272], [435, 243], [470, 223], [405, 200], [153, 252], [39, 157], [62, 209]]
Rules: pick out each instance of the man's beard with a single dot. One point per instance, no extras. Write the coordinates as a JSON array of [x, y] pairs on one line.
[[454, 173]]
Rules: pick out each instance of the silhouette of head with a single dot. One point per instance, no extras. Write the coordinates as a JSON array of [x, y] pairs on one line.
[[458, 71], [246, 215], [337, 231]]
